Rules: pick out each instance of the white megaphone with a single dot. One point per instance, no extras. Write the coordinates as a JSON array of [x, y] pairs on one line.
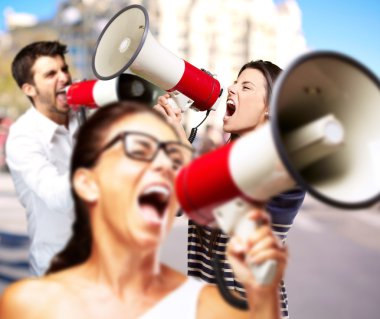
[[96, 93], [324, 127], [126, 43]]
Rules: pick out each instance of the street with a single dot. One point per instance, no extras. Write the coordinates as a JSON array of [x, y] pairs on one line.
[[334, 261]]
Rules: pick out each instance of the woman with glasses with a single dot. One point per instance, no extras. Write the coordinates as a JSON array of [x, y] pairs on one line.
[[122, 174], [247, 109]]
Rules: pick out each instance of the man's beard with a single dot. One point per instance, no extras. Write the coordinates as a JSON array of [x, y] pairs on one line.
[[52, 107]]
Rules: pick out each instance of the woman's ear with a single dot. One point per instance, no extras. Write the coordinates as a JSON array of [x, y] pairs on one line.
[[85, 185]]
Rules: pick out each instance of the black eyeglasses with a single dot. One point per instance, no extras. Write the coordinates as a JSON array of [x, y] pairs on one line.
[[144, 147]]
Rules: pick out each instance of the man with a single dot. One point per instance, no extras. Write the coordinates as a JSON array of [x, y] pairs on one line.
[[39, 147]]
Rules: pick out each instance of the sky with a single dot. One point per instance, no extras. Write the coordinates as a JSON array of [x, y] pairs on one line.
[[351, 27]]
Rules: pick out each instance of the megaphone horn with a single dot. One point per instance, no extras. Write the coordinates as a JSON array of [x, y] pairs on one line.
[[126, 43], [315, 85]]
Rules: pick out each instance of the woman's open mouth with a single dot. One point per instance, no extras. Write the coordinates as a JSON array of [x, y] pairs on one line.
[[153, 202], [231, 107]]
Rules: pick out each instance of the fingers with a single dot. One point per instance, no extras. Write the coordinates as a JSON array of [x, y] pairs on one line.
[[237, 247], [161, 105], [261, 240], [163, 99], [280, 255], [268, 247], [260, 216], [173, 116], [172, 113], [261, 245]]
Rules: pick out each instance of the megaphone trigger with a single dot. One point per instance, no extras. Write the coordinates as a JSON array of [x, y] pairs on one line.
[[180, 101]]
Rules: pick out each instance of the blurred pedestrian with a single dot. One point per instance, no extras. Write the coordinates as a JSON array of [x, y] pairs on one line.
[[210, 140]]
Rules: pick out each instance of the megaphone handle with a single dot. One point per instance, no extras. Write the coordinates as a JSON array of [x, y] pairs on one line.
[[81, 115], [264, 273], [233, 218]]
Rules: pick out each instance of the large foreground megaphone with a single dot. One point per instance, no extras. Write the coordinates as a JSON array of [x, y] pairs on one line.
[[126, 43], [125, 87], [323, 135]]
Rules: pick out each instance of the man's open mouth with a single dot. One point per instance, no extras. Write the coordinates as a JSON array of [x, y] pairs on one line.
[[61, 95], [153, 202]]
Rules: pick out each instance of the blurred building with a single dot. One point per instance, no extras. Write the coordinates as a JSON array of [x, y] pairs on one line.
[[222, 35], [217, 35]]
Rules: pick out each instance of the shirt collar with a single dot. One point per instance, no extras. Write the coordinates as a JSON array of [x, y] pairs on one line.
[[48, 127]]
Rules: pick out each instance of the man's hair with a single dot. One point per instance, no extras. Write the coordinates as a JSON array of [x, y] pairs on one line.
[[25, 59]]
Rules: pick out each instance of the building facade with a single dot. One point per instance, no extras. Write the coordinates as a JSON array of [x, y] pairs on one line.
[[216, 35]]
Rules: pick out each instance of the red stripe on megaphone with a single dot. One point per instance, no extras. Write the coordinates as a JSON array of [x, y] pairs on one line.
[[201, 87], [81, 93], [206, 183]]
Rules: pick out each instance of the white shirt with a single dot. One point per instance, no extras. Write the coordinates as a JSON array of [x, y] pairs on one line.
[[38, 154], [180, 303]]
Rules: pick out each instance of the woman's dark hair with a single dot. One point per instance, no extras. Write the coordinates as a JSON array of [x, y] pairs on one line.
[[91, 138], [270, 71]]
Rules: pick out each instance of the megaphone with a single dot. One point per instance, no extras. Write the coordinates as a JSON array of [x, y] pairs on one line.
[[324, 128], [96, 93], [323, 135], [126, 43]]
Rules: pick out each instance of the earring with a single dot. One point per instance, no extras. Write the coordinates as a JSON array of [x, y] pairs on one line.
[[266, 114]]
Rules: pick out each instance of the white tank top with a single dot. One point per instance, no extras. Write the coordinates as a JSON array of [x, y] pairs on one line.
[[180, 303]]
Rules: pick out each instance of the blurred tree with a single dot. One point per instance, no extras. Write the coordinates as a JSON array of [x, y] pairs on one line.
[[12, 101]]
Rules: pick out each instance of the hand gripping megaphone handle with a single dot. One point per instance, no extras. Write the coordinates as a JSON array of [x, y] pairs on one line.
[[233, 218], [179, 100]]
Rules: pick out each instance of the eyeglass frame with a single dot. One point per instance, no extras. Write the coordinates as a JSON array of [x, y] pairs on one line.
[[160, 145]]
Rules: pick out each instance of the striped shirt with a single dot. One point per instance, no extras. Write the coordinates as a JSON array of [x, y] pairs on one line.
[[203, 242]]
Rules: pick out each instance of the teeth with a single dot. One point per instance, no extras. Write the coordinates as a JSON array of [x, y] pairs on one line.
[[157, 189], [230, 102], [63, 90]]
